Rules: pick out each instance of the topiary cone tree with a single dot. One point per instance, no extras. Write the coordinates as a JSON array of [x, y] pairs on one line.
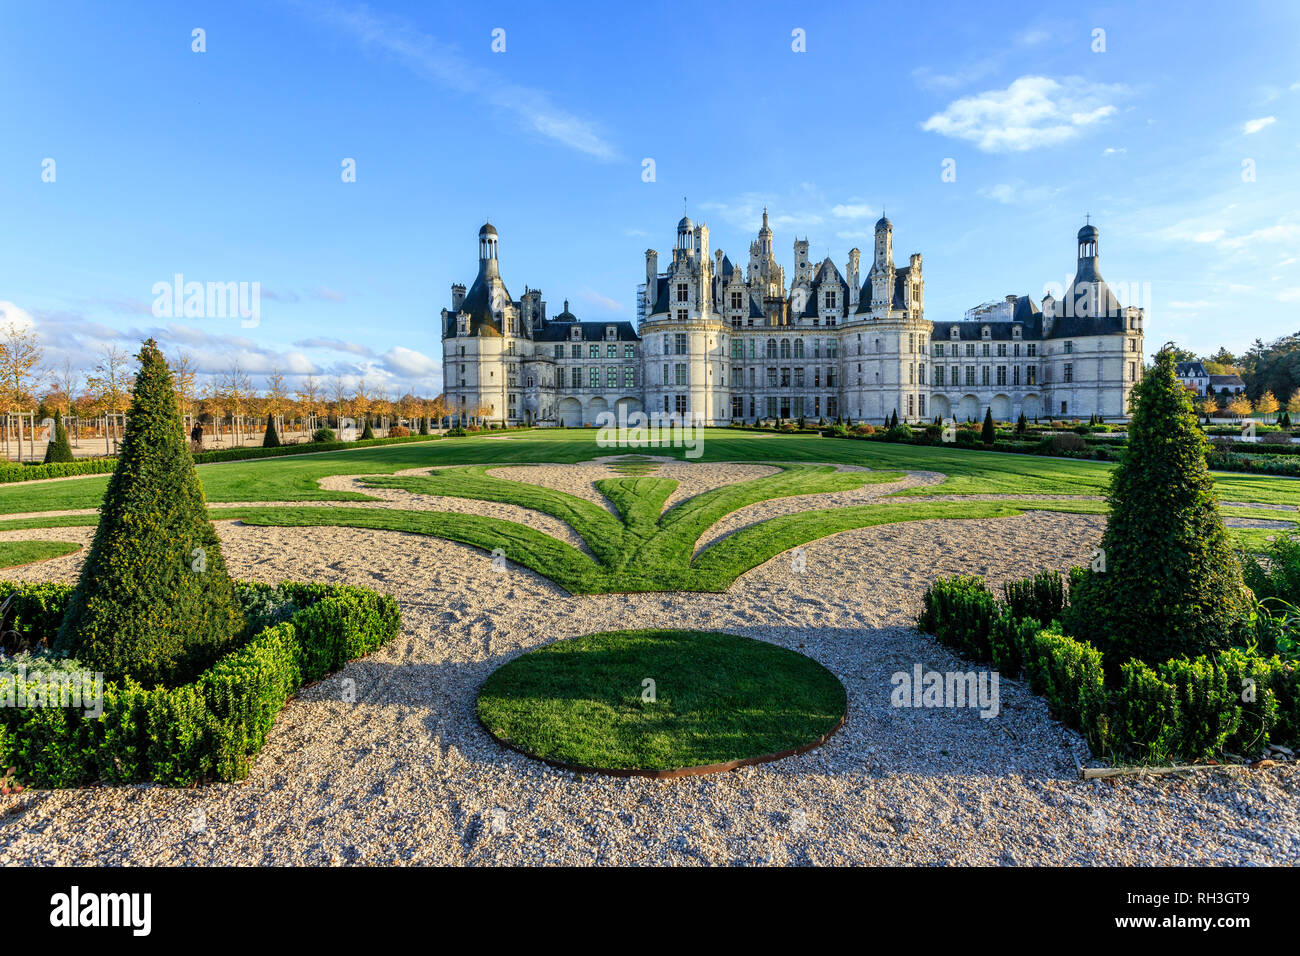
[[987, 433], [367, 432], [58, 448], [1166, 582], [271, 439], [154, 601]]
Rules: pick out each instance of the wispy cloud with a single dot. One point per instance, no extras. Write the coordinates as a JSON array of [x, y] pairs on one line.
[[602, 301], [851, 211], [1032, 112], [334, 345], [444, 65], [1018, 192], [1255, 125]]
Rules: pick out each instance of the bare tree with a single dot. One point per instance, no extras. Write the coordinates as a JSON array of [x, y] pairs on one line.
[[111, 384], [277, 393], [339, 395], [20, 364], [183, 374], [67, 380]]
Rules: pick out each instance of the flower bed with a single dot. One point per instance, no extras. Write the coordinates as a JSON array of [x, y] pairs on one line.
[[1232, 701], [209, 729]]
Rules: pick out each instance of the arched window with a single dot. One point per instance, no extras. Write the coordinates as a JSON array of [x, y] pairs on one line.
[[771, 348], [785, 348], [798, 348]]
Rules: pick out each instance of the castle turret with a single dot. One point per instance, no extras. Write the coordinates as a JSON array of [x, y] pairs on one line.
[[882, 267], [851, 276]]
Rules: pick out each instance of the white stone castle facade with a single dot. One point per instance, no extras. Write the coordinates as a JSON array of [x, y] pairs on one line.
[[719, 345]]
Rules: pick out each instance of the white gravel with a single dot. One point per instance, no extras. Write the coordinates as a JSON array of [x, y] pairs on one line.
[[405, 774]]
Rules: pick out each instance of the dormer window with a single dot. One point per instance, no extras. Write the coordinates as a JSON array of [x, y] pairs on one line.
[[1015, 331], [954, 333], [575, 333], [610, 333], [984, 332], [463, 324]]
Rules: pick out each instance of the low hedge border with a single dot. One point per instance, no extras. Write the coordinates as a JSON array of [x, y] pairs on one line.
[[1233, 701], [10, 473], [207, 730]]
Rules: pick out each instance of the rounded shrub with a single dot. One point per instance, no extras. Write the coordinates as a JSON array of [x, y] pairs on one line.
[[58, 449], [399, 431], [154, 601], [323, 435], [1166, 582]]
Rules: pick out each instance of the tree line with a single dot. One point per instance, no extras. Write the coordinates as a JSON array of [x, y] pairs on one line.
[[27, 383]]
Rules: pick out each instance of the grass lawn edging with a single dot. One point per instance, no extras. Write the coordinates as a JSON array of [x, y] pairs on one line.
[[1233, 701], [206, 730]]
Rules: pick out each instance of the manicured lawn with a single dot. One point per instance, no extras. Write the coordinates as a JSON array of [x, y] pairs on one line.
[[716, 698], [968, 472], [14, 553]]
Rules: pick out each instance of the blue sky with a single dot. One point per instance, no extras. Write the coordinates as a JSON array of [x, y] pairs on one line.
[[225, 165]]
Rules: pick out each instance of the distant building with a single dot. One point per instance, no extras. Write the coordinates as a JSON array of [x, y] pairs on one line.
[[1197, 379]]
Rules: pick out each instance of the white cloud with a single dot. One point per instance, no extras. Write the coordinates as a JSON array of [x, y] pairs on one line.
[[408, 362], [1289, 295], [425, 55], [1208, 235], [851, 211], [1255, 125], [11, 315], [1196, 304], [1282, 232], [1114, 150], [1033, 111]]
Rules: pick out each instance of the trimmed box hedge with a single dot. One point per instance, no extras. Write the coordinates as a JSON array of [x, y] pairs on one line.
[[12, 472], [209, 729], [1232, 701]]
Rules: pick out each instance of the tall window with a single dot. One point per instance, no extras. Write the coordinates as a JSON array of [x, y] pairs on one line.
[[1069, 370], [680, 373], [771, 348], [682, 292], [594, 378], [680, 340]]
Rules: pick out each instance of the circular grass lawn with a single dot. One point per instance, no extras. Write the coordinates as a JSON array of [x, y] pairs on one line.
[[717, 701]]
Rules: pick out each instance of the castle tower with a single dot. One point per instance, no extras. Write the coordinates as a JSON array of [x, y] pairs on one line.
[[882, 266]]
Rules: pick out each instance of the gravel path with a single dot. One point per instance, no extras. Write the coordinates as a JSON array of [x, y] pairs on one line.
[[405, 775]]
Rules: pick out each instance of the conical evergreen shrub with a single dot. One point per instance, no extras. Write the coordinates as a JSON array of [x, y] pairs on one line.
[[367, 432], [1166, 581], [154, 601], [58, 448], [987, 433], [424, 425], [271, 439]]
